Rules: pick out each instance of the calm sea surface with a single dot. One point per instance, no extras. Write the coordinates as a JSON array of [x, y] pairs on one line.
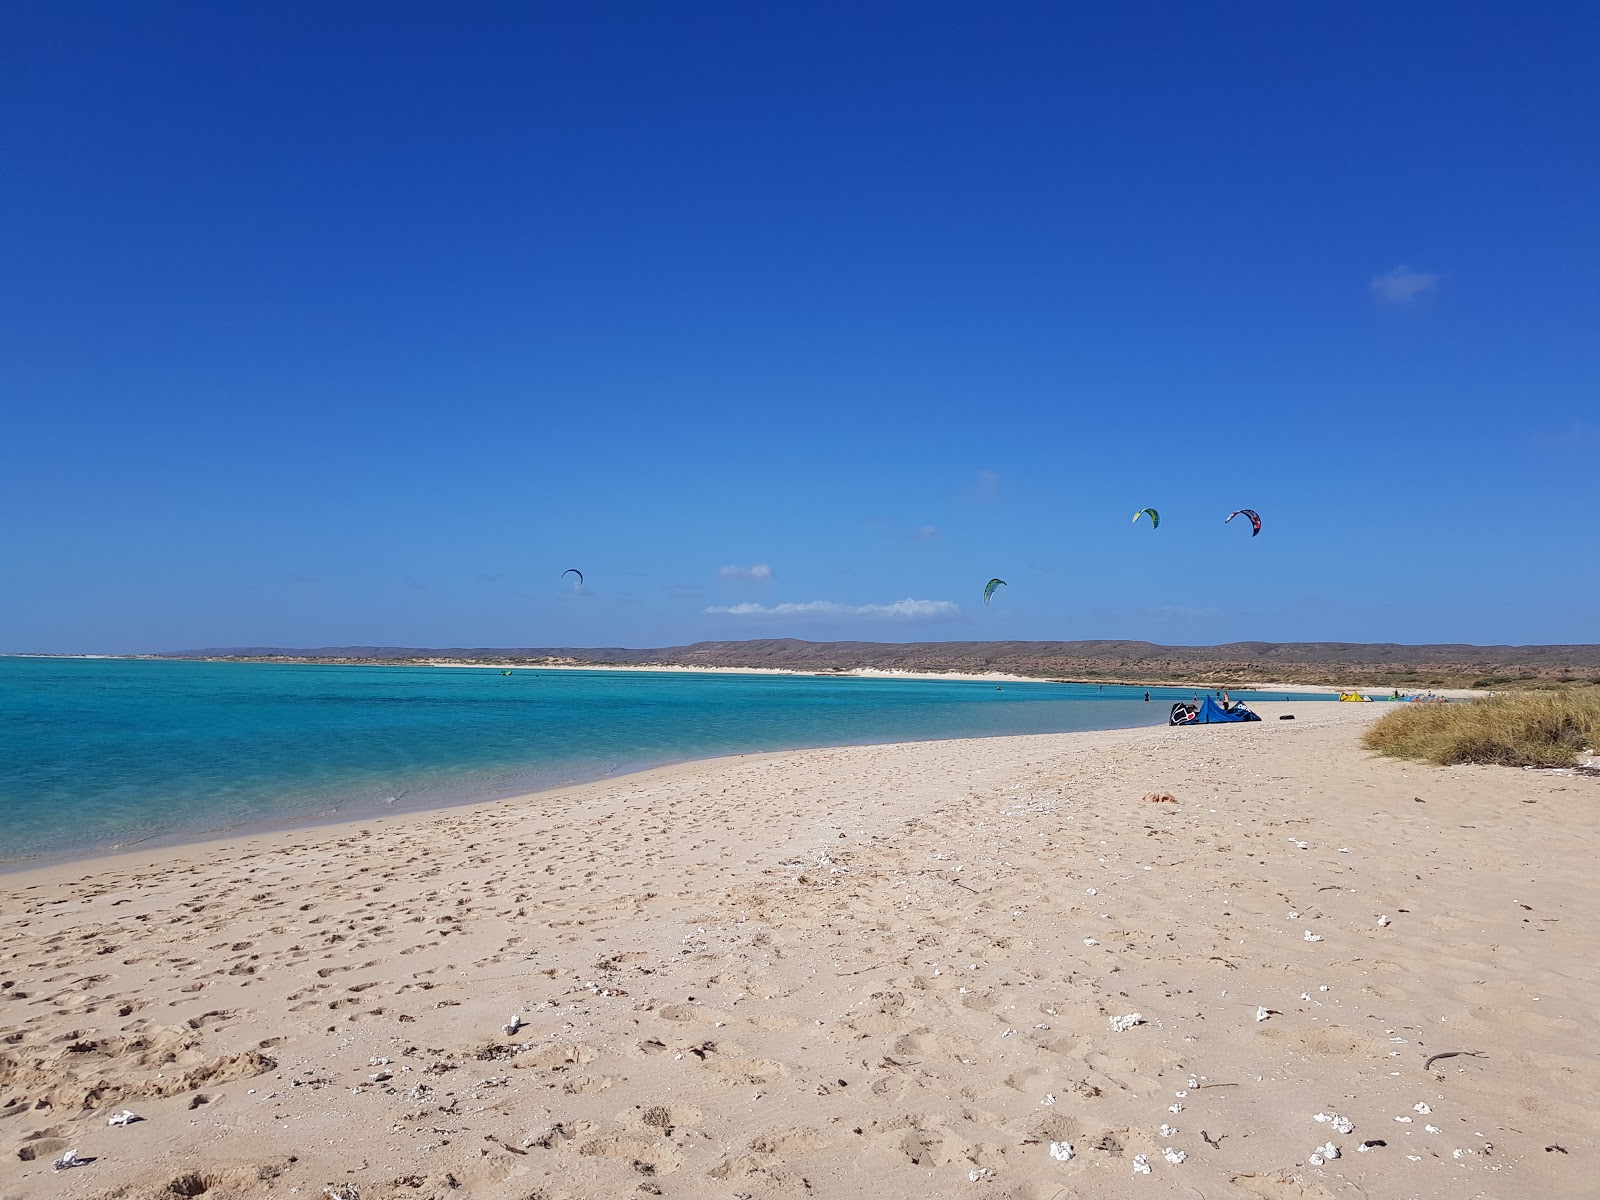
[[100, 753]]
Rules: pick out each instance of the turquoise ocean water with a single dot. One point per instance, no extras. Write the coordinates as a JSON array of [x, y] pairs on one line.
[[103, 753]]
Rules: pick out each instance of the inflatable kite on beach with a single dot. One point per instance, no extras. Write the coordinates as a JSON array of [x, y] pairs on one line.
[[988, 588], [573, 571], [1255, 519], [1155, 517]]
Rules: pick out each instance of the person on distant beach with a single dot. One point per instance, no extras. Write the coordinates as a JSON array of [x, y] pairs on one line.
[[1147, 697]]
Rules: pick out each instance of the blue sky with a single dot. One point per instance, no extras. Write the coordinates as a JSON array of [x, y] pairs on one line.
[[361, 323]]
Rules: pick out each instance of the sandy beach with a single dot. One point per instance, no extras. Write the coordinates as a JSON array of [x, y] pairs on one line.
[[985, 968]]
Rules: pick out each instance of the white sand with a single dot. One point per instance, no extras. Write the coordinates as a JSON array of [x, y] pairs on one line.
[[853, 972]]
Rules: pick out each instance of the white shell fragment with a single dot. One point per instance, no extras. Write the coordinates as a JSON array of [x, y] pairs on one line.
[[1090, 942], [1168, 1131], [1329, 1152], [1382, 921], [510, 1027], [1173, 1156], [1421, 1107], [1343, 1124], [125, 1117], [1430, 1129], [1262, 1012], [1123, 1024], [1141, 1165], [1062, 1151], [67, 1161], [1313, 937], [979, 1174]]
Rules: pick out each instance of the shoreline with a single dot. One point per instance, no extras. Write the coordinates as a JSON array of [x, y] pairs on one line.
[[911, 967], [1375, 689], [424, 800]]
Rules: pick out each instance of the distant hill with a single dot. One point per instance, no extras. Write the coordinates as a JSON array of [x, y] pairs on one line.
[[1140, 662]]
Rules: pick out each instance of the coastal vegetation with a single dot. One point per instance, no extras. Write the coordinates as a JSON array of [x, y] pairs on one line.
[[1524, 729], [1380, 666]]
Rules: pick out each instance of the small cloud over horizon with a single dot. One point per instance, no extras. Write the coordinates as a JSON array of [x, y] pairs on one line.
[[903, 610], [986, 489], [760, 571], [1403, 284]]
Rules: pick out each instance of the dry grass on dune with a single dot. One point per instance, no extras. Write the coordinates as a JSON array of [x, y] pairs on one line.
[[1527, 729]]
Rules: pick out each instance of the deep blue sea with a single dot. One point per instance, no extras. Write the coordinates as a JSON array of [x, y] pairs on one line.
[[104, 753]]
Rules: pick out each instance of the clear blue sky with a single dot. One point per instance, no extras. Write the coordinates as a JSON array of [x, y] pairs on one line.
[[326, 324]]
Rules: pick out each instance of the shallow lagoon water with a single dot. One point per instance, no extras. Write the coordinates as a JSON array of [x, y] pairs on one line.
[[104, 753]]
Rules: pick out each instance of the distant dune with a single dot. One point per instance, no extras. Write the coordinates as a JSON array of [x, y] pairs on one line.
[[1139, 662]]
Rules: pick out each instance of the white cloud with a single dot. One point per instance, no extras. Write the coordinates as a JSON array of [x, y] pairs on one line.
[[759, 571], [1403, 284], [900, 610], [987, 488]]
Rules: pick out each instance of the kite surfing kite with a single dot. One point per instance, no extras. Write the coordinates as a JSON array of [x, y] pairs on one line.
[[1255, 519], [573, 571], [988, 588], [1155, 517]]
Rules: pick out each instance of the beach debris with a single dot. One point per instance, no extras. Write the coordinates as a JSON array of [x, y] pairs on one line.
[[1062, 1151], [1382, 921], [1431, 1129], [1433, 1058], [69, 1160], [1091, 891], [1049, 1099], [1370, 1144], [1421, 1107], [345, 1191], [1174, 1156], [1214, 1142], [1343, 1124], [1123, 1024], [1313, 937], [126, 1117], [510, 1027], [979, 1174], [1175, 1108], [1403, 1120], [1168, 1130], [1293, 916], [1141, 1165], [1160, 798], [1323, 1154], [1090, 942], [1262, 1012]]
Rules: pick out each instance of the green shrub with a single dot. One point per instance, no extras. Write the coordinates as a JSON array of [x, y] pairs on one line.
[[1523, 729]]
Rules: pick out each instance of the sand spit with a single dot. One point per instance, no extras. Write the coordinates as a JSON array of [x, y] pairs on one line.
[[984, 968]]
